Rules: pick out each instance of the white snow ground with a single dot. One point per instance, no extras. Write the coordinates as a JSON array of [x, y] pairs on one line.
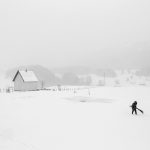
[[50, 120]]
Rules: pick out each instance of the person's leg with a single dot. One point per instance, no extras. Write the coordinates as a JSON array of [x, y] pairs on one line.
[[132, 111], [135, 112]]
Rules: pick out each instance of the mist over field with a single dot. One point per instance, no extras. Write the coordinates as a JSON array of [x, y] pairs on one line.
[[102, 34]]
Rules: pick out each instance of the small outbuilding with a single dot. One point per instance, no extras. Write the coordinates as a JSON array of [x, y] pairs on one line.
[[25, 81]]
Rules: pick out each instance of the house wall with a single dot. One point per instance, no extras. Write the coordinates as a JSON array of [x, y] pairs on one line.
[[20, 85]]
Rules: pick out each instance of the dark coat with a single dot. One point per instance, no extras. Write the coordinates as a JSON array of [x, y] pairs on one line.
[[134, 104]]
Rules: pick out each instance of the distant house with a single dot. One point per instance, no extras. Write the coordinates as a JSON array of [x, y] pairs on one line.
[[25, 81]]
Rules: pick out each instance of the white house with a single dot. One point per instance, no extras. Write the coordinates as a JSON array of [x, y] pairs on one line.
[[25, 81]]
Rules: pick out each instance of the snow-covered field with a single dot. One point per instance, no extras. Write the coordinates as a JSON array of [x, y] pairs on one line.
[[95, 119]]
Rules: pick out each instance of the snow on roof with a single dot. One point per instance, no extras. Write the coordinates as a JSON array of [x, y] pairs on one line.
[[27, 76]]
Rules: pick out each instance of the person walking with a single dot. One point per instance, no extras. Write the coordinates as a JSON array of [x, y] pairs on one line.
[[134, 108]]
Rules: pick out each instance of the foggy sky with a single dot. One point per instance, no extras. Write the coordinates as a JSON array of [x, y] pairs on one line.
[[55, 33]]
